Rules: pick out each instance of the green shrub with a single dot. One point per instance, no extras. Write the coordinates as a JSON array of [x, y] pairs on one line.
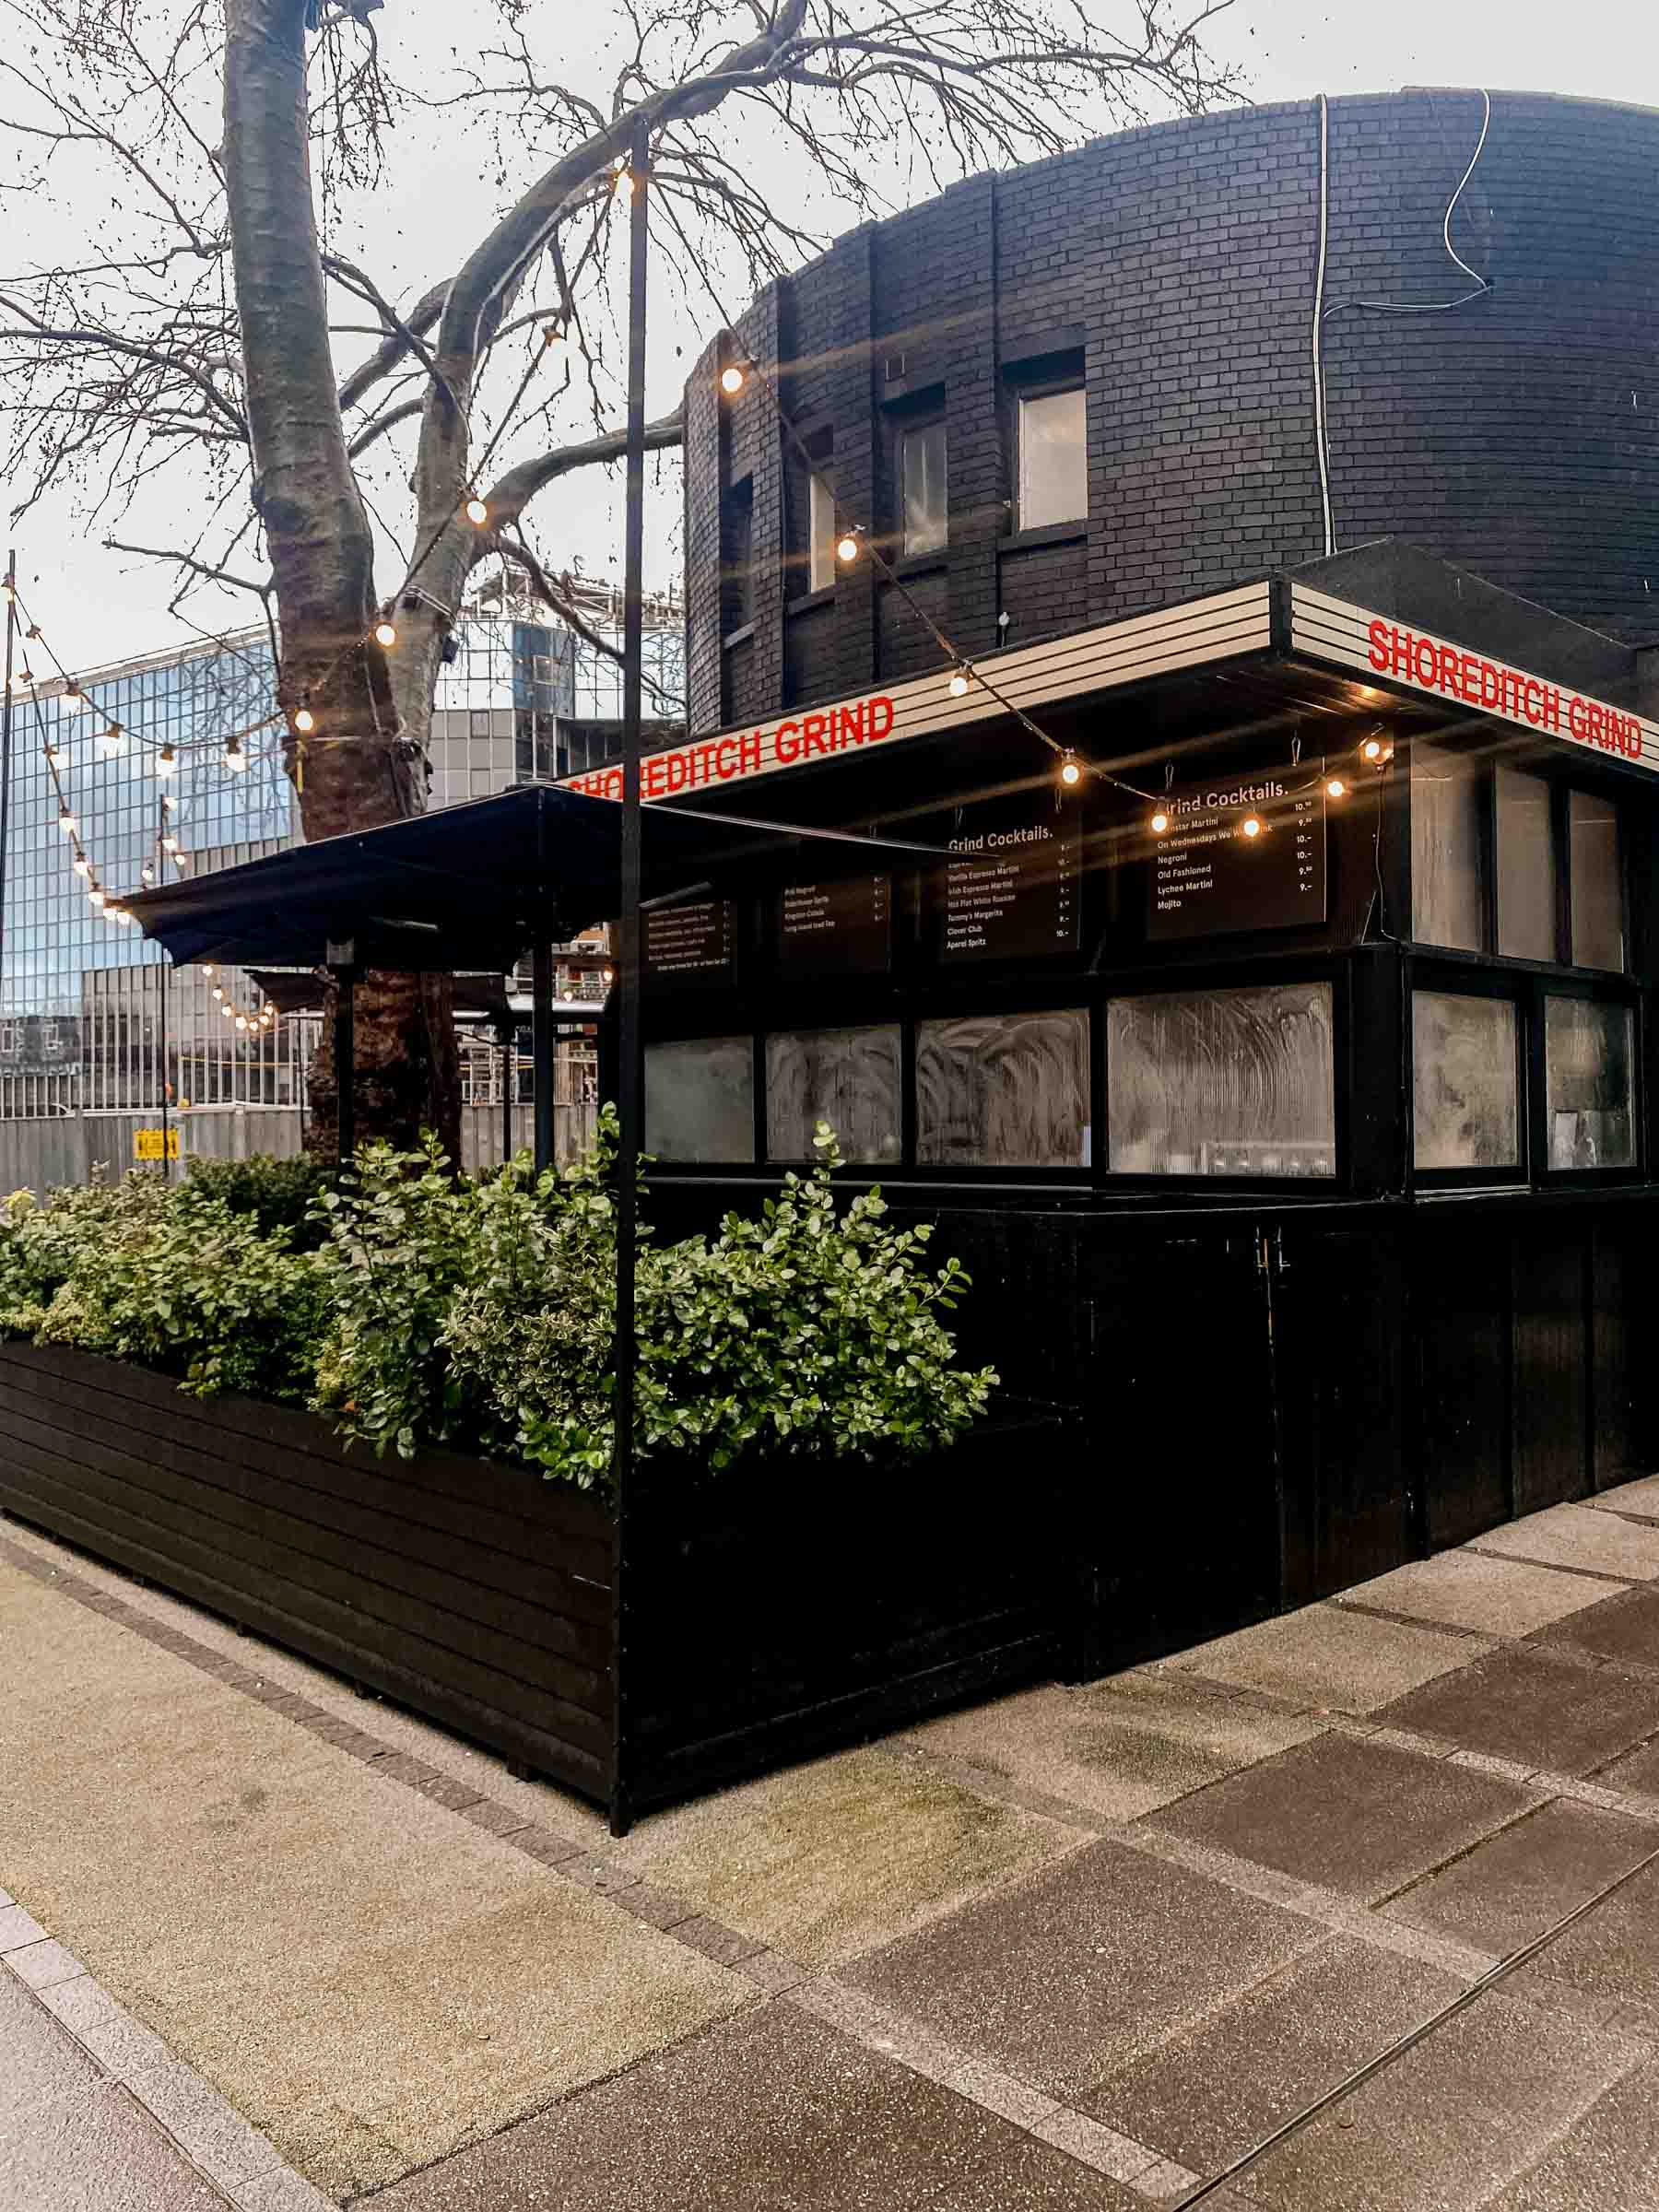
[[278, 1193], [40, 1244]]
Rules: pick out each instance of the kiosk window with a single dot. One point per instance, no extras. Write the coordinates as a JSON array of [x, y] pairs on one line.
[[1588, 1053], [700, 1099], [922, 488], [1004, 1090], [1054, 463], [1596, 881], [1448, 877], [1222, 1082], [1526, 868], [851, 1078], [1466, 1090]]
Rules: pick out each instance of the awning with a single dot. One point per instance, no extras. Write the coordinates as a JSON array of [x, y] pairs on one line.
[[475, 887]]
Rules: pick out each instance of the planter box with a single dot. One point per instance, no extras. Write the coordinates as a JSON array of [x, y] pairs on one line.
[[797, 1606]]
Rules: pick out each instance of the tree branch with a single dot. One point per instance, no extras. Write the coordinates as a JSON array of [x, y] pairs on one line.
[[513, 492]]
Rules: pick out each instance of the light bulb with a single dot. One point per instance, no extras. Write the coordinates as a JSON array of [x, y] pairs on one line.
[[218, 991], [1070, 770], [166, 761], [95, 895], [112, 739], [66, 822], [227, 1011], [1335, 787], [553, 336], [959, 684], [846, 546], [234, 756], [305, 721], [53, 750], [1160, 822], [178, 860], [606, 973], [731, 378], [208, 969], [1372, 749], [1251, 826], [242, 1021], [385, 632], [476, 512], [83, 866], [169, 843], [146, 874], [625, 182]]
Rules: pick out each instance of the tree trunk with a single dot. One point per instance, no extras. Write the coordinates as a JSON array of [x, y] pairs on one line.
[[355, 768]]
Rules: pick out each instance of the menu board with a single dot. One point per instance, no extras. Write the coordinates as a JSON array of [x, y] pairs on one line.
[[1011, 893], [843, 928], [695, 943], [1209, 877]]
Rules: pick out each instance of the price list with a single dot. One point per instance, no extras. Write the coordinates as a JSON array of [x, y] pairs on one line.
[[1011, 893], [843, 928], [1214, 874], [695, 943]]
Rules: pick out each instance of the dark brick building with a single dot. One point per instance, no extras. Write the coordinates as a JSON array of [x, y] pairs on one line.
[[1172, 273]]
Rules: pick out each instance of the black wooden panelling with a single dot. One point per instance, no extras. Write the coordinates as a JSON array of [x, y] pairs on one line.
[[1552, 1381], [1460, 1428], [1619, 1269]]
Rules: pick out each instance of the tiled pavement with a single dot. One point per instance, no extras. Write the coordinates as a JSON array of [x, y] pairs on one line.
[[1356, 1908]]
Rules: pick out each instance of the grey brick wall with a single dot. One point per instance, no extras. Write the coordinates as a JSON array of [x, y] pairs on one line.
[[1517, 436]]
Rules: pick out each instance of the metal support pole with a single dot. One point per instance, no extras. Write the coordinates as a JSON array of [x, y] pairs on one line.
[[541, 1051], [6, 748], [628, 1084], [509, 1041], [342, 964], [166, 1161]]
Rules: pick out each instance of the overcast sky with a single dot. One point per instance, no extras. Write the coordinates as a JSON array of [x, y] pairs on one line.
[[98, 606]]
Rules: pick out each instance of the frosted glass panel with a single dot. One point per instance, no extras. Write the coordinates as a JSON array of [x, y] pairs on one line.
[[1448, 881], [1588, 1052], [1006, 1090], [1526, 871], [849, 1079], [700, 1099], [1596, 882], [1468, 1112], [1222, 1082], [922, 487], [1053, 466]]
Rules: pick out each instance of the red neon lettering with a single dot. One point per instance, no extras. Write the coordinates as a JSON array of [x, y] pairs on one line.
[[1425, 663], [1533, 705], [786, 745], [1378, 633], [1491, 685], [1446, 669], [724, 767], [1551, 717], [749, 755], [812, 734], [881, 710], [1577, 720], [1400, 646], [852, 725], [653, 776], [679, 771]]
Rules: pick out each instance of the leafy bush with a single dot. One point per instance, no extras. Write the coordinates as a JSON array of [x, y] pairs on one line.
[[187, 1286], [40, 1244], [279, 1193]]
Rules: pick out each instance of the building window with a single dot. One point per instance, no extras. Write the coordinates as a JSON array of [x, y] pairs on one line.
[[820, 533], [737, 556], [1526, 867], [699, 1101], [922, 488], [1239, 1082], [849, 1079], [49, 1037], [1448, 861], [1007, 1090], [11, 1040], [1466, 1083], [1596, 882], [1053, 462], [1589, 1056]]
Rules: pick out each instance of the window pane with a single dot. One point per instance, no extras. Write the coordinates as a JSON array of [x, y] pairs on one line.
[[820, 530], [1596, 882], [1222, 1082], [1448, 880], [922, 487], [1467, 1111], [1007, 1090], [1054, 477], [847, 1078], [1526, 875], [1589, 1052], [700, 1099]]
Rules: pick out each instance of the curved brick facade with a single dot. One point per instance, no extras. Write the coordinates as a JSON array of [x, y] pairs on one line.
[[1518, 436]]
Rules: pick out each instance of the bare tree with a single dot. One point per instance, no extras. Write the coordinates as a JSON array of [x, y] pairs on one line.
[[200, 336]]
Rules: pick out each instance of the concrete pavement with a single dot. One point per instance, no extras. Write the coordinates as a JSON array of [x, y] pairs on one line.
[[1356, 1908]]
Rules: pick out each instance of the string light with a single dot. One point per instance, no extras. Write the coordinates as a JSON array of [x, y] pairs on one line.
[[305, 721], [475, 511], [169, 842], [167, 761], [83, 866], [1335, 787], [95, 893], [846, 547], [146, 874], [958, 686], [112, 740], [1251, 826], [234, 756], [1372, 749], [386, 629], [555, 337], [624, 179], [731, 380], [66, 822], [1160, 822], [1070, 770]]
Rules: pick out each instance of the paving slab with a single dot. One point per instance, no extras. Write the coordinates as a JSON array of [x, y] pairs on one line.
[[1456, 2118], [369, 1978], [1511, 1888], [1608, 2162], [1466, 1590], [1638, 1770], [1119, 1747], [1094, 1962], [776, 2109], [1625, 1626], [1581, 1536], [1607, 1963], [1539, 1707], [1640, 1498], [97, 2153], [1221, 2085], [1348, 1813], [1329, 1659], [39, 2062], [830, 1859]]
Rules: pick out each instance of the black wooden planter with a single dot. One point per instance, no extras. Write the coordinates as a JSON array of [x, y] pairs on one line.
[[787, 1611]]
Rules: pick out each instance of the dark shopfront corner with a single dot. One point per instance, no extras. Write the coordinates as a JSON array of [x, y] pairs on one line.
[[1326, 1235]]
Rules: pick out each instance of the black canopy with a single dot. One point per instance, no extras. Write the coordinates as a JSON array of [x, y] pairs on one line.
[[475, 887]]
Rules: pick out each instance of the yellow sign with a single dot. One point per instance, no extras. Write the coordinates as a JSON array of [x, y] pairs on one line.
[[147, 1144]]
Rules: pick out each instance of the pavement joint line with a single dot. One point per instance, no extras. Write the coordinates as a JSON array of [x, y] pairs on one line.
[[563, 1856], [1591, 1574], [213, 2138]]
